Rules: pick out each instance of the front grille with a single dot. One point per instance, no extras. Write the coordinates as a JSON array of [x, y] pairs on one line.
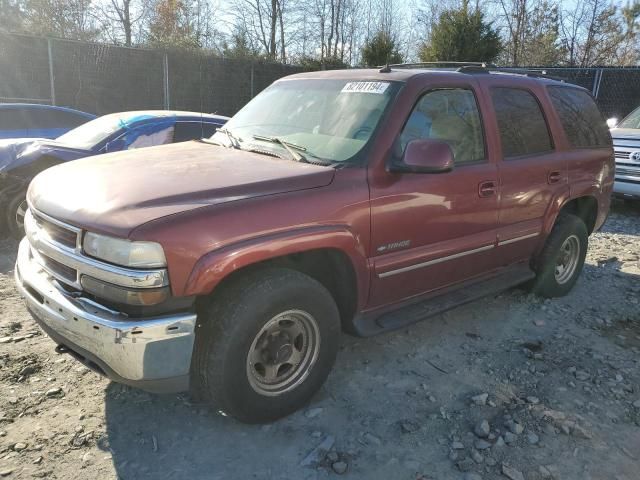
[[57, 233], [60, 270], [628, 172]]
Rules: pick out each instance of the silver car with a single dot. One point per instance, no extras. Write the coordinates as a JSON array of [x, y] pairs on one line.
[[626, 143]]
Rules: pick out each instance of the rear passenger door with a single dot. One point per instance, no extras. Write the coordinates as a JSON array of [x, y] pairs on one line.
[[531, 171]]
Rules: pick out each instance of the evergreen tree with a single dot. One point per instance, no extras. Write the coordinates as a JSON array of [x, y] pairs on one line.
[[461, 35], [380, 50]]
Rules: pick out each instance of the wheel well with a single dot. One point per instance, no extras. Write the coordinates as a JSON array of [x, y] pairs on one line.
[[585, 208], [331, 267]]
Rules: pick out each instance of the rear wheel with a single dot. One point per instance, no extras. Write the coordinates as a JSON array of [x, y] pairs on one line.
[[265, 344], [560, 263]]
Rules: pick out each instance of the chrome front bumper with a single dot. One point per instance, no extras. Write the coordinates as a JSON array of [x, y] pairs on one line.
[[150, 353], [626, 189]]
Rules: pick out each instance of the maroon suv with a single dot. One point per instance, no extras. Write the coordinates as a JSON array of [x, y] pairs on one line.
[[356, 200]]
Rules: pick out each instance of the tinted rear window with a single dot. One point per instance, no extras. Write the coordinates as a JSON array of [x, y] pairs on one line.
[[56, 119], [523, 128], [13, 119], [39, 118], [582, 121]]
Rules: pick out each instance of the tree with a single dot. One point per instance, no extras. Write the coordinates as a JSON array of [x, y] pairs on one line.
[[240, 46], [326, 63], [381, 49], [532, 32], [11, 15], [461, 34], [121, 17], [264, 21], [172, 26], [74, 19], [596, 32]]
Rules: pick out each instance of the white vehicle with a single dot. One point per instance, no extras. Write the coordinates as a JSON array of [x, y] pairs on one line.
[[626, 143]]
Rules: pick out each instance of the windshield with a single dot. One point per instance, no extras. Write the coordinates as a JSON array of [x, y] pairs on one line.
[[89, 134], [632, 120], [329, 120]]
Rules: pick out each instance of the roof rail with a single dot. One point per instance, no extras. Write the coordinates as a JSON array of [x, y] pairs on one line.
[[444, 63], [473, 67], [534, 73]]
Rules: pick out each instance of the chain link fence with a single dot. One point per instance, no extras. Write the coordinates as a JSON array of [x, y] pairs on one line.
[[616, 89], [102, 78]]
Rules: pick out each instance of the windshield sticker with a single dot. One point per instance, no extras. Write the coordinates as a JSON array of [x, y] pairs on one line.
[[365, 87]]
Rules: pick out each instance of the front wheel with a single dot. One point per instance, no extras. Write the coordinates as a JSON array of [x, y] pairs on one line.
[[16, 210], [560, 263], [265, 344]]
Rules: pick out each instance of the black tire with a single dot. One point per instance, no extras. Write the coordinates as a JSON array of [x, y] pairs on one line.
[[552, 279], [228, 327], [15, 229]]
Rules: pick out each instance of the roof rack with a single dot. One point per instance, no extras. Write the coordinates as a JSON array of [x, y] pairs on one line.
[[440, 64], [534, 73], [473, 67]]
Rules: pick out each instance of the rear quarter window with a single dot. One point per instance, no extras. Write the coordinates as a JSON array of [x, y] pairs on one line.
[[522, 125], [581, 119]]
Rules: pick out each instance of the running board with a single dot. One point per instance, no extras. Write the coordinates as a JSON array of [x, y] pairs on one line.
[[372, 323]]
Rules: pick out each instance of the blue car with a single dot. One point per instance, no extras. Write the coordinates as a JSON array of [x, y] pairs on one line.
[[27, 120], [22, 159]]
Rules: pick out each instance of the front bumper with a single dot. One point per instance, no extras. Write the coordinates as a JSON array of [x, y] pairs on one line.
[[153, 354], [626, 188]]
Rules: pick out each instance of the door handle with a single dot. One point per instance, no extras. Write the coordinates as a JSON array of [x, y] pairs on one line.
[[554, 177], [487, 189]]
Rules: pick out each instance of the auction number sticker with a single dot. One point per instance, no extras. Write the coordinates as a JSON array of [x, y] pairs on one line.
[[365, 87]]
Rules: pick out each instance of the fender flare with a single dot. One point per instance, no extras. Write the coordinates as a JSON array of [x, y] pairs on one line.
[[212, 268], [585, 189]]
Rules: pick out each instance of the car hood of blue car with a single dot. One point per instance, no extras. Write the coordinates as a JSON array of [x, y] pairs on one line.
[[20, 152]]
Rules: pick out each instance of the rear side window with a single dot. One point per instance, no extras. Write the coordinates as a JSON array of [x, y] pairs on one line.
[[52, 118], [13, 119], [523, 128], [582, 121]]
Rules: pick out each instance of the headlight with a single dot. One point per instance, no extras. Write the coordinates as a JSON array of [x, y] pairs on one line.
[[124, 252]]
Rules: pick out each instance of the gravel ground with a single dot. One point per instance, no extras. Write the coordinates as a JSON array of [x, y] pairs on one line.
[[507, 387]]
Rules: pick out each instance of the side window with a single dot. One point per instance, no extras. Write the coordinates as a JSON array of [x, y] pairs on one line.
[[582, 121], [209, 129], [450, 115], [12, 119], [148, 135], [523, 128], [186, 131]]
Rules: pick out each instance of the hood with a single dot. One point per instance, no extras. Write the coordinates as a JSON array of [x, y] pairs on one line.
[[116, 192], [16, 153], [625, 133]]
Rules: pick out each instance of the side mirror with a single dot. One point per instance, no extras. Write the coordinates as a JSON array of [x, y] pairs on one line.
[[425, 155], [612, 122]]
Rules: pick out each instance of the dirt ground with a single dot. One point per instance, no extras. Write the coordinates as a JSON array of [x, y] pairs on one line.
[[507, 387]]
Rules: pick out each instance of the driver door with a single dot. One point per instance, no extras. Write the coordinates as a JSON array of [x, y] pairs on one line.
[[434, 230]]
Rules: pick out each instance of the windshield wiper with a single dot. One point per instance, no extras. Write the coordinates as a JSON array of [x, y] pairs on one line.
[[233, 140], [289, 146]]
